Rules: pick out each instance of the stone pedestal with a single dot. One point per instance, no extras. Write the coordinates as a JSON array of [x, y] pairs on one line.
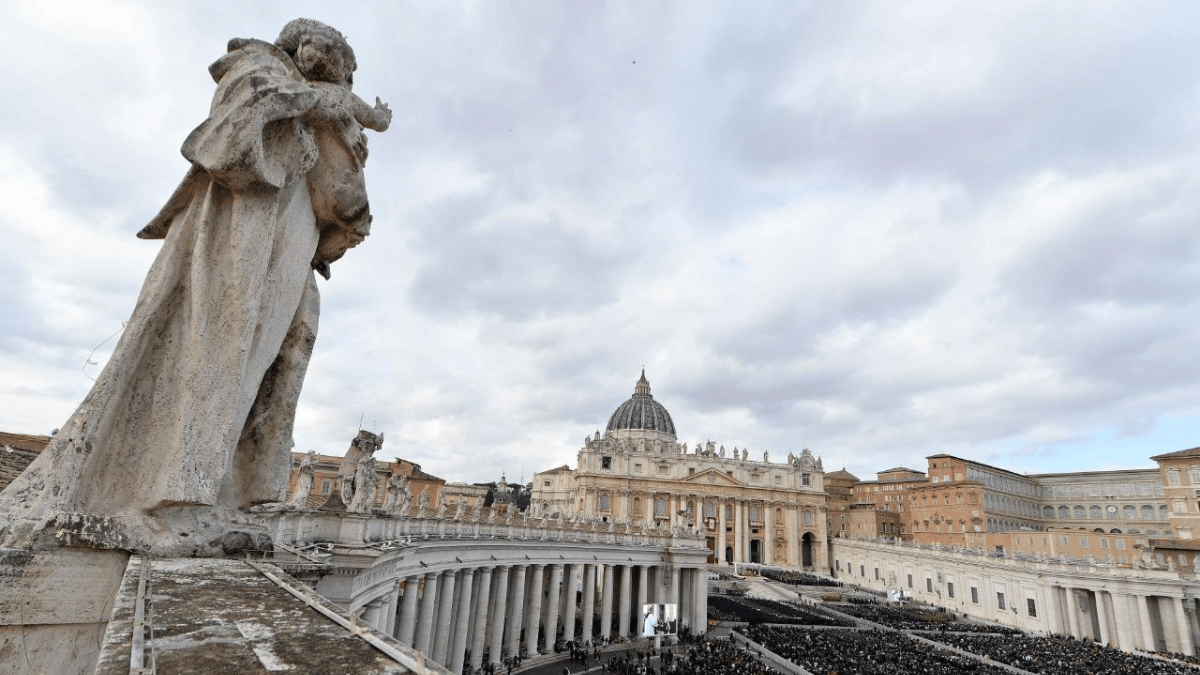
[[54, 608]]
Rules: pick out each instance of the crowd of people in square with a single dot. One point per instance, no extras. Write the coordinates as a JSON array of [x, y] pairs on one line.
[[913, 618], [797, 578], [1059, 655], [863, 652], [759, 610], [698, 657]]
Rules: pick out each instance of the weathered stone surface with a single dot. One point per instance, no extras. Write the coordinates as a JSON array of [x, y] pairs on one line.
[[54, 606], [190, 422], [216, 617]]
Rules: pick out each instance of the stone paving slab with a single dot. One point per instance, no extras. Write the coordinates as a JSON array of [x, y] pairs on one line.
[[226, 617]]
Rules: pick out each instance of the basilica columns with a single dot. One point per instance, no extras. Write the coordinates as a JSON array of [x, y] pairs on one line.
[[626, 600], [533, 611]]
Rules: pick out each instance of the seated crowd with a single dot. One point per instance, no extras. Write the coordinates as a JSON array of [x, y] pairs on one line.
[[797, 578], [1058, 655], [863, 652], [703, 657], [758, 610], [924, 618]]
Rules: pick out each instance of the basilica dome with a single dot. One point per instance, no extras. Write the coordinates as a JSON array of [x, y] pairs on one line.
[[642, 412]]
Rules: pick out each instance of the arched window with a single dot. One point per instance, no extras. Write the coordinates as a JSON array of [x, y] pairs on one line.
[[1064, 512], [1094, 512], [1147, 512], [1130, 512], [1078, 513], [637, 505], [1048, 512], [1162, 512]]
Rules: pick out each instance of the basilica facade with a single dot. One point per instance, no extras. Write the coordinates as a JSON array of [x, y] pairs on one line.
[[748, 509]]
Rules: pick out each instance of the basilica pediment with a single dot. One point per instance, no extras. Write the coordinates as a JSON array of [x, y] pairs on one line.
[[713, 477]]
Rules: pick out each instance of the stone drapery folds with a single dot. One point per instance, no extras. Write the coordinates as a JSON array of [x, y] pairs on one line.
[[190, 422]]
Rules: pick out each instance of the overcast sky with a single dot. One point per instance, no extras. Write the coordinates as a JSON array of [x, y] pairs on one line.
[[876, 230]]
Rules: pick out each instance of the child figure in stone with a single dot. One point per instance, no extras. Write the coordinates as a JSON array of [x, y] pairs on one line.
[[328, 64], [326, 61]]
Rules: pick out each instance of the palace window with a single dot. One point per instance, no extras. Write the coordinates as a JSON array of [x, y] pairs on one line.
[[605, 504], [754, 514], [975, 595], [805, 479], [950, 588], [325, 486], [660, 507], [710, 510], [1030, 607], [606, 462]]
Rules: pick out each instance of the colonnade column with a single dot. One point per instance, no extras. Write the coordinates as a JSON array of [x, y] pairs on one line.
[[643, 588], [496, 628], [533, 611], [445, 630], [1123, 622], [425, 625], [1102, 616], [516, 610], [1183, 627], [589, 602], [567, 606], [626, 600], [370, 613], [1053, 615], [393, 608], [676, 580], [700, 601], [479, 627], [551, 609], [1147, 629], [408, 611], [606, 602], [1072, 612], [462, 620]]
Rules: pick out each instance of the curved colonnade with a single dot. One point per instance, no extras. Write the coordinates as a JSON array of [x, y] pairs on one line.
[[462, 591], [1147, 609]]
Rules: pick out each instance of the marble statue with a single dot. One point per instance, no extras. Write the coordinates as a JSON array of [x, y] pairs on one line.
[[405, 499], [366, 481], [423, 503], [364, 445], [441, 507], [306, 475], [395, 490], [190, 422]]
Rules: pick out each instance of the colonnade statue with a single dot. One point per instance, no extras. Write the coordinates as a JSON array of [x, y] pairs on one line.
[[190, 422]]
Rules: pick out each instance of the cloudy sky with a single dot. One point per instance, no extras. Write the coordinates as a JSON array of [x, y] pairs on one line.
[[877, 230]]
